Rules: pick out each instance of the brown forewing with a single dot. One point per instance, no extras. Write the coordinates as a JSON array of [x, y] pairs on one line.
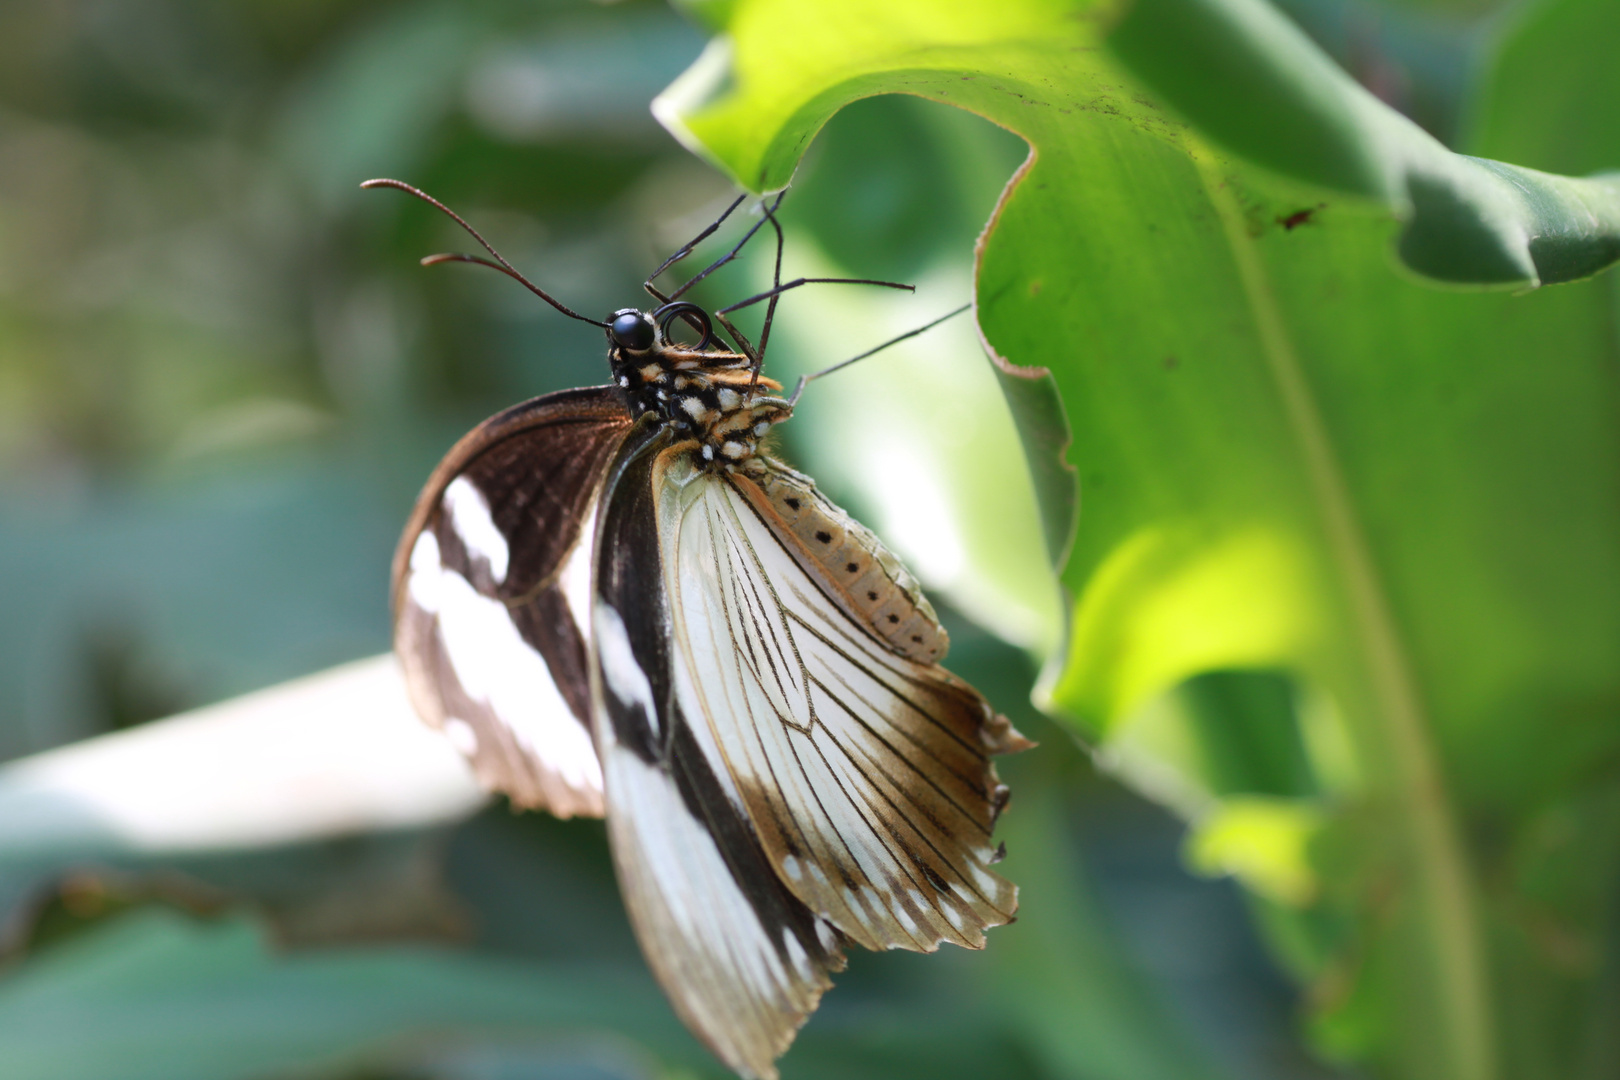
[[537, 467]]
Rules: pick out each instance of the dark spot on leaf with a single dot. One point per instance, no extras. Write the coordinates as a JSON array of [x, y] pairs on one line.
[[1171, 363], [1299, 217]]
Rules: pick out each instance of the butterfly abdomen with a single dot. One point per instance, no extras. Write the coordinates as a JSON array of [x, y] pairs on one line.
[[875, 585]]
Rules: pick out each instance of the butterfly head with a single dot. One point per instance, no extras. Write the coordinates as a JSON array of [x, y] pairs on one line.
[[704, 394], [632, 331]]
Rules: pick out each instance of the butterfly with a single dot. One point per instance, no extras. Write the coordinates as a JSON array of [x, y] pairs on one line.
[[615, 602]]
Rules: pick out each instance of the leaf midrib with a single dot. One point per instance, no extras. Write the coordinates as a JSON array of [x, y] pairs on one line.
[[1432, 842]]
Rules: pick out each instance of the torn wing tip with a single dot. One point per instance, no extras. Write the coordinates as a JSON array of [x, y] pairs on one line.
[[1000, 737]]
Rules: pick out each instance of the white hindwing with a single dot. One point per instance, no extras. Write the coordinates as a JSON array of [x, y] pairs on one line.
[[742, 982], [864, 773], [743, 961]]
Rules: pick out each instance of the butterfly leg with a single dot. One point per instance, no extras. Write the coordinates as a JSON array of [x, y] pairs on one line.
[[733, 253], [686, 248]]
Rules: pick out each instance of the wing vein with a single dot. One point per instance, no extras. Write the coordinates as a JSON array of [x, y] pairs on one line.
[[929, 780]]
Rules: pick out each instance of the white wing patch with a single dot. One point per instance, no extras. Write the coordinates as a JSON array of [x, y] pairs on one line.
[[624, 678], [470, 518], [499, 671], [865, 773], [727, 975], [574, 578]]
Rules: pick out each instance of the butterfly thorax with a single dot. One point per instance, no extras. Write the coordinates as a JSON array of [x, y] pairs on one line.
[[708, 396]]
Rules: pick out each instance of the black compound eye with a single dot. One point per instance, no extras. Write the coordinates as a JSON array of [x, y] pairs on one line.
[[632, 330]]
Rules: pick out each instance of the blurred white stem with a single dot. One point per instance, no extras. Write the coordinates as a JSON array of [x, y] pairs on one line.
[[331, 754]]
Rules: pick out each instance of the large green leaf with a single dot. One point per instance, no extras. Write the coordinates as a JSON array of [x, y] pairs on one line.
[[1373, 522]]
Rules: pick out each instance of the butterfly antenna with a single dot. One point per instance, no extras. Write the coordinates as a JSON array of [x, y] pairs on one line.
[[804, 380], [500, 262]]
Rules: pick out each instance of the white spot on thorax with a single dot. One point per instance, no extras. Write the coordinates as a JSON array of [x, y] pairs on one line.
[[469, 517]]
